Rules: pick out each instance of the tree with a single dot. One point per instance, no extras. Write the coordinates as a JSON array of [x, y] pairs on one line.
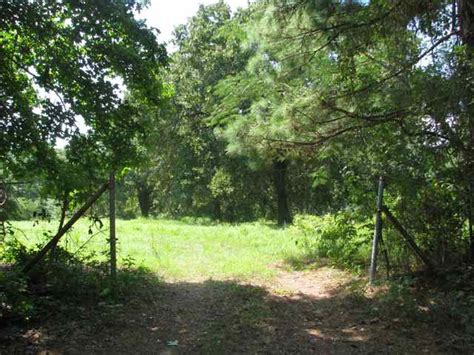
[[195, 174], [406, 65], [60, 61], [385, 85], [205, 54], [248, 114]]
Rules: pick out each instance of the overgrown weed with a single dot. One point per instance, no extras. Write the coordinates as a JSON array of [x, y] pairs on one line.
[[63, 283]]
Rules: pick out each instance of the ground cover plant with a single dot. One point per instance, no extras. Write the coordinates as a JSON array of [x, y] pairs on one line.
[[182, 249], [198, 286]]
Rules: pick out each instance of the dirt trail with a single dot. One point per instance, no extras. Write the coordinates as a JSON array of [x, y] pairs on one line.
[[299, 312]]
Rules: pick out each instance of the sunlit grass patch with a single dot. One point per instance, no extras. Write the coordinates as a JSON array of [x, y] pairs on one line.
[[179, 249]]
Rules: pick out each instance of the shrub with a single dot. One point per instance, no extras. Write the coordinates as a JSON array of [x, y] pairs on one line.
[[61, 281], [337, 237], [14, 296]]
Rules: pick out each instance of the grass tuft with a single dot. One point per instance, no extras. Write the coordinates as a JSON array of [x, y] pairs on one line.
[[179, 250]]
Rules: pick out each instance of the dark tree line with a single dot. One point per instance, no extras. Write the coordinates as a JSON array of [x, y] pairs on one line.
[[317, 99]]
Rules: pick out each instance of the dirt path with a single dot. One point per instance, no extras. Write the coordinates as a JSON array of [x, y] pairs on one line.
[[299, 312]]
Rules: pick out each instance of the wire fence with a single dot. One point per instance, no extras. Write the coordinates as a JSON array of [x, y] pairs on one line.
[[27, 219]]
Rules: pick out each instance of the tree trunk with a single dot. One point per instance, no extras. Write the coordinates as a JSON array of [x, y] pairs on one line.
[[54, 241], [377, 232], [466, 25], [112, 230], [144, 199], [64, 208], [468, 175], [279, 179], [217, 209], [466, 22]]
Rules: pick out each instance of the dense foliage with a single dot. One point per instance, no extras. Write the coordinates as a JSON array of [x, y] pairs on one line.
[[283, 109], [304, 104], [287, 111], [62, 63], [297, 107]]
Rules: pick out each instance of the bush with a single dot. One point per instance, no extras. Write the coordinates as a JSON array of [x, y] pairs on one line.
[[62, 281], [14, 296], [337, 237]]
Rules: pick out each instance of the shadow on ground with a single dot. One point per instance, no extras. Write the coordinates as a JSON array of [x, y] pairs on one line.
[[226, 317]]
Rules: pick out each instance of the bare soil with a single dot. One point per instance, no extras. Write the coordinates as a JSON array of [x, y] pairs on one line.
[[304, 312]]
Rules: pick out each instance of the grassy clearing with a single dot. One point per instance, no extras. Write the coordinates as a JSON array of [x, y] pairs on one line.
[[202, 305], [181, 250]]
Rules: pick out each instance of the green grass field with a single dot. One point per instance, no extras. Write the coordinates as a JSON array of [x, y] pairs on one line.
[[179, 249], [229, 296]]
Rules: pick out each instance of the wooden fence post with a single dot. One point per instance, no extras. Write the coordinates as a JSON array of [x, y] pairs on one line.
[[408, 238], [54, 241], [112, 239], [377, 232]]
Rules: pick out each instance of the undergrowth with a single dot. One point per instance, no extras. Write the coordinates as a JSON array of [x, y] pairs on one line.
[[337, 237], [408, 296], [187, 249], [69, 281], [62, 283]]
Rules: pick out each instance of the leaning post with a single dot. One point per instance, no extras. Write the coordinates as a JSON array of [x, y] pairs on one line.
[[112, 239], [377, 232], [54, 241]]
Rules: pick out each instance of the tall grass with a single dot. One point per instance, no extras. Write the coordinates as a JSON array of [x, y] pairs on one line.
[[183, 250]]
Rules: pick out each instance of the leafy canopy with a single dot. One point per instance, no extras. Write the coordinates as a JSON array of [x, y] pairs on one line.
[[64, 60]]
